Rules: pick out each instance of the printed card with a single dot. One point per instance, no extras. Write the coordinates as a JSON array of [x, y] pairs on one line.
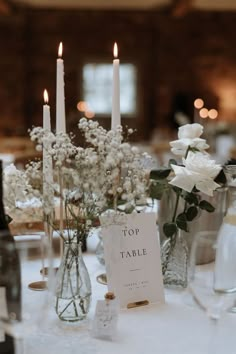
[[132, 257]]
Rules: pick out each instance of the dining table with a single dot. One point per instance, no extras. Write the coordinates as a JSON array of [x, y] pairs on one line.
[[177, 326]]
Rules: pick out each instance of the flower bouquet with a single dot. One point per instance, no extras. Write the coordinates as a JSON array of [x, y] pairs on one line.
[[187, 183], [105, 173]]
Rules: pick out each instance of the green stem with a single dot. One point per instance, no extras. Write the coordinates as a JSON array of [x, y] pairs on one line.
[[185, 206], [178, 195], [187, 151], [64, 260], [176, 207], [66, 308], [52, 225], [73, 295]]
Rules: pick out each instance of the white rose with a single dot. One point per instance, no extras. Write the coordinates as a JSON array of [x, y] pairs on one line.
[[189, 136], [179, 147], [199, 171], [190, 131], [201, 163]]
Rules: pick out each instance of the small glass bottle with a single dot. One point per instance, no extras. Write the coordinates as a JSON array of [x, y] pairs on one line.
[[106, 317]]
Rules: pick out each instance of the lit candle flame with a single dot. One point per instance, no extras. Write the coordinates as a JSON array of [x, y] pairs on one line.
[[115, 50], [45, 96], [60, 50]]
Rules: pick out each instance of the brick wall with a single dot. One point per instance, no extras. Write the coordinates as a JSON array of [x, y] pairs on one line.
[[177, 57]]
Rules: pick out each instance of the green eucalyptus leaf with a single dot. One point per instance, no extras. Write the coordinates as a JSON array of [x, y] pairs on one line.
[[204, 205], [120, 202], [193, 149], [177, 190], [170, 228], [8, 218], [129, 209], [172, 162], [160, 174], [221, 178], [157, 188], [191, 198], [181, 222], [191, 213]]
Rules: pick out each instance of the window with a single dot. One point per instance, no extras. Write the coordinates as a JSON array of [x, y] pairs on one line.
[[97, 88]]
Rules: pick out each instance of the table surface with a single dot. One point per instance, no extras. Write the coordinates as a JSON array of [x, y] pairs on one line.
[[177, 327]]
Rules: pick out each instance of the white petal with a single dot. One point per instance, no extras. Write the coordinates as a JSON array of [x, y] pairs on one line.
[[190, 131], [207, 186], [182, 179], [178, 169]]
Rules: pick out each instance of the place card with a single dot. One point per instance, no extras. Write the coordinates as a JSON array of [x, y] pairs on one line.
[[104, 324], [132, 258], [3, 311]]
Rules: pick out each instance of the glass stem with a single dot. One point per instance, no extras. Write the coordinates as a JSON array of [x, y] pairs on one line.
[[213, 335]]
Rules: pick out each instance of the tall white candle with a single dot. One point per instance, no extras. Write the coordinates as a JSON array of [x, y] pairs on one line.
[[60, 99], [115, 116], [47, 159]]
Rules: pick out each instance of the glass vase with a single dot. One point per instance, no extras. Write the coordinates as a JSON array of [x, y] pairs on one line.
[[174, 257], [73, 286], [203, 222]]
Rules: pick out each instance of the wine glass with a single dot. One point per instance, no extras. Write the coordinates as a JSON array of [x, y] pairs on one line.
[[212, 285], [207, 283], [27, 310]]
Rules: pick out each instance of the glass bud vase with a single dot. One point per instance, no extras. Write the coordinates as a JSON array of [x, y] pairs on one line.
[[203, 222], [174, 257], [73, 286]]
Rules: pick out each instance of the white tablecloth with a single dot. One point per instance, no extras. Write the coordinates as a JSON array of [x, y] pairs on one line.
[[177, 327]]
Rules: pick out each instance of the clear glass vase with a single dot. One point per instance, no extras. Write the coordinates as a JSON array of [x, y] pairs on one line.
[[73, 286], [203, 222], [174, 257]]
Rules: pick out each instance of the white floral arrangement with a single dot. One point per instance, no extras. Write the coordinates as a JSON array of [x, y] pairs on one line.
[[20, 200], [107, 173], [197, 173]]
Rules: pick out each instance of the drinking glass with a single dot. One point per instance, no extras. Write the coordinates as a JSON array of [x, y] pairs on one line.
[[207, 283], [212, 285], [34, 256]]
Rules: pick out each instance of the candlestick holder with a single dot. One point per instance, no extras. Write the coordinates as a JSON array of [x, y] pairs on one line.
[[34, 253]]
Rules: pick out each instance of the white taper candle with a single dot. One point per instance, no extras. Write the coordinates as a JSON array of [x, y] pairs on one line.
[[60, 94], [115, 116]]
